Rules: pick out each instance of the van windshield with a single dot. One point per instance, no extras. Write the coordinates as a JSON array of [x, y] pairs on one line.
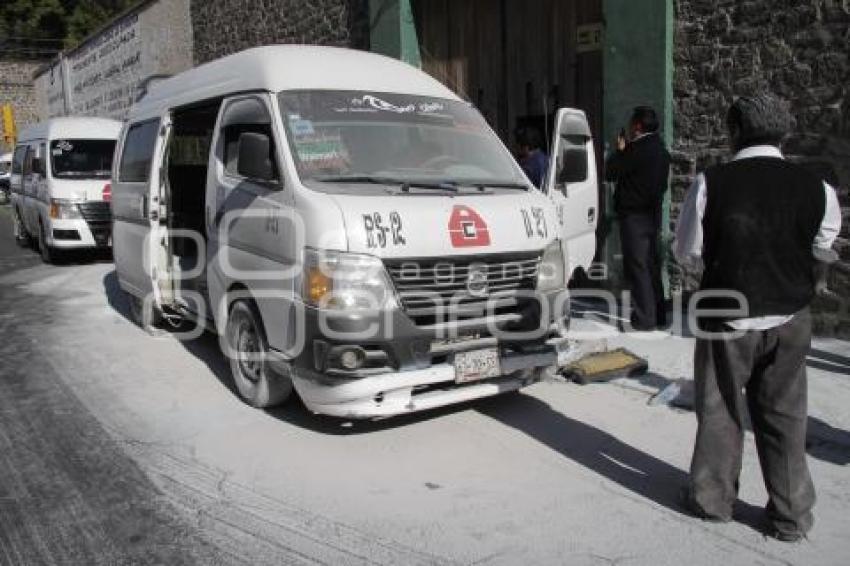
[[359, 136], [81, 159]]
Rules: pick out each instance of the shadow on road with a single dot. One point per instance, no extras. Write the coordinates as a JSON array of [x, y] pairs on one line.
[[828, 443], [602, 453], [827, 361], [206, 349]]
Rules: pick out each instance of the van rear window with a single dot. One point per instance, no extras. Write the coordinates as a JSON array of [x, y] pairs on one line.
[[138, 152]]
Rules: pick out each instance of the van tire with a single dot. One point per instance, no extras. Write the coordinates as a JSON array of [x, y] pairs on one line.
[[48, 254], [22, 237], [257, 383], [135, 306]]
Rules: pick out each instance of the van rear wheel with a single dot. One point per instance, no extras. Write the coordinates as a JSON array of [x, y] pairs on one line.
[[258, 384]]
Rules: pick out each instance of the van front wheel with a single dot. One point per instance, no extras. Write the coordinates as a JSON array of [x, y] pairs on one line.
[[48, 254], [21, 235], [255, 380]]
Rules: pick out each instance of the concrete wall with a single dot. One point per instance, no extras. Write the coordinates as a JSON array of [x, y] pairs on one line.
[[797, 49], [103, 75], [17, 89], [222, 27]]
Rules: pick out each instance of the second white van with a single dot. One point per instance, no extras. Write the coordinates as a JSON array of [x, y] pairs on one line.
[[61, 184]]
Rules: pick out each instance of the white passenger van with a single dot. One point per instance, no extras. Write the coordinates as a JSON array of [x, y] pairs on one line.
[[60, 184], [350, 227]]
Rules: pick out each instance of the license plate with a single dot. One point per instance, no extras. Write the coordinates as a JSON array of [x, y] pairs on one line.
[[477, 365]]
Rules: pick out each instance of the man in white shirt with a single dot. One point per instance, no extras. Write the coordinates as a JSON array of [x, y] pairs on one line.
[[756, 227]]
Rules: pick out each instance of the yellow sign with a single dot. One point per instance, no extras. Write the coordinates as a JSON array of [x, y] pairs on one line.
[[589, 37], [10, 134]]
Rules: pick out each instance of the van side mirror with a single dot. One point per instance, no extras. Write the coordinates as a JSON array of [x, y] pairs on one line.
[[572, 162], [37, 166], [254, 161]]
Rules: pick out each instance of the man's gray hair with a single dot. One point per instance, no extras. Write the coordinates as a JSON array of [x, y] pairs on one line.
[[759, 120]]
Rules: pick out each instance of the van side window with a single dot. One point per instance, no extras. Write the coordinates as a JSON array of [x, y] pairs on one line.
[[18, 160], [248, 115], [28, 157], [39, 165], [138, 152]]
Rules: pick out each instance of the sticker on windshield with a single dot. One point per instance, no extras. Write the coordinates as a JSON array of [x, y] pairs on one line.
[[301, 127], [322, 154], [61, 147]]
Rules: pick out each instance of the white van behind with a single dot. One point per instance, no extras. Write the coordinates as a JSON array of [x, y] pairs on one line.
[[350, 228], [60, 184]]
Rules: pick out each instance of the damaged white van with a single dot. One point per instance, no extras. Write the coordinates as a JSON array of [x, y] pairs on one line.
[[60, 184], [350, 228]]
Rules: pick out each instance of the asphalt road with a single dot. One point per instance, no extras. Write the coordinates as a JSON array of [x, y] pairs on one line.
[[117, 447]]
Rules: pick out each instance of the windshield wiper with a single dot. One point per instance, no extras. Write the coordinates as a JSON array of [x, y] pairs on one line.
[[497, 185], [364, 179], [404, 184]]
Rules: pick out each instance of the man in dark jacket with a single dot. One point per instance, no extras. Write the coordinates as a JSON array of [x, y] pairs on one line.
[[757, 224], [641, 168]]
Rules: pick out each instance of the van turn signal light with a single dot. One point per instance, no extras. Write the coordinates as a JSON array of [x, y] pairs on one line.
[[319, 285]]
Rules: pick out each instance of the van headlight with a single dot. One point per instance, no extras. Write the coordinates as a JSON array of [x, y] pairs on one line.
[[63, 209], [346, 282], [551, 275]]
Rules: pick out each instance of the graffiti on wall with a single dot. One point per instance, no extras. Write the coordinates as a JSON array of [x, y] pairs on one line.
[[103, 77]]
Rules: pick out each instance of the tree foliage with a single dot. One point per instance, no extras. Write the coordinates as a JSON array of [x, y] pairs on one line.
[[39, 28]]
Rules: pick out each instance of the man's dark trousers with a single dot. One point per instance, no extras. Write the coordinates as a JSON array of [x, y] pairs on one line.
[[642, 266], [770, 366]]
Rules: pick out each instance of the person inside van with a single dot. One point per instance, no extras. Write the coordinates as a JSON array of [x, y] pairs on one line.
[[532, 159]]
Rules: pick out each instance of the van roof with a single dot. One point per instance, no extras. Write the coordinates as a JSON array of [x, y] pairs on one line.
[[72, 127], [276, 68]]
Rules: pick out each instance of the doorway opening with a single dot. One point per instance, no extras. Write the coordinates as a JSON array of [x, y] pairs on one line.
[[187, 166]]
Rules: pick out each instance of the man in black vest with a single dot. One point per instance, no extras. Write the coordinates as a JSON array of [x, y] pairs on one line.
[[757, 225], [641, 169]]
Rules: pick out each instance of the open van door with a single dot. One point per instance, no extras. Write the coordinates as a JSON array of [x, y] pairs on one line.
[[572, 184], [139, 235]]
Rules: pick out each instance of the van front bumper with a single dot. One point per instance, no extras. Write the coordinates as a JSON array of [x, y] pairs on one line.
[[392, 394], [410, 368], [76, 234]]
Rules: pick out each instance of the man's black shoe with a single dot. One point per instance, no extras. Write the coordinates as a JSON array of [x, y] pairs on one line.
[[783, 536]]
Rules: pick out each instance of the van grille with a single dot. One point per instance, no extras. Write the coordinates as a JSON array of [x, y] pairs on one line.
[[95, 211], [453, 288], [98, 215]]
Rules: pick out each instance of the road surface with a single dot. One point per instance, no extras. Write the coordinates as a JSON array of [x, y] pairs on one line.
[[118, 447]]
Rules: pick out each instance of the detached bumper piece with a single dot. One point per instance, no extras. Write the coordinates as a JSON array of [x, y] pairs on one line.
[[606, 365]]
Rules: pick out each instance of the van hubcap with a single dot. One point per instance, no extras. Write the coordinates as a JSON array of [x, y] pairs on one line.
[[248, 351]]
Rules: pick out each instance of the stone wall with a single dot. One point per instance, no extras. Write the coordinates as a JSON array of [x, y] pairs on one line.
[[797, 49], [222, 27], [17, 89]]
